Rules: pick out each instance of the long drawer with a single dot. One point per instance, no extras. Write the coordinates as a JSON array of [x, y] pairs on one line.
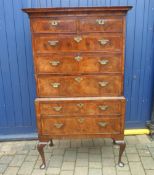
[[71, 25], [78, 125], [82, 107], [79, 63], [75, 43], [76, 86]]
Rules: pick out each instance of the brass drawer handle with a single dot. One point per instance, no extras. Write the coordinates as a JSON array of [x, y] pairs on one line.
[[55, 85], [54, 22], [103, 62], [80, 105], [78, 58], [100, 21], [78, 79], [77, 39], [58, 125], [103, 83], [54, 63], [103, 107], [53, 43], [102, 124], [103, 41], [57, 108], [81, 120]]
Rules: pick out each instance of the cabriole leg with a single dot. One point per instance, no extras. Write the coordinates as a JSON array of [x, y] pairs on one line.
[[51, 143], [122, 145], [40, 148]]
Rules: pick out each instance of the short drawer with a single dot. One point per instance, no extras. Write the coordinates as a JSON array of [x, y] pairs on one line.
[[81, 107], [78, 86], [54, 25], [101, 24], [78, 125], [79, 63], [78, 43]]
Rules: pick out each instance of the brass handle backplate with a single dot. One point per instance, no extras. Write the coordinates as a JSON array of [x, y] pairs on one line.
[[103, 62], [54, 22], [57, 108], [103, 83], [100, 21], [103, 107], [58, 125], [78, 58], [103, 41], [102, 124], [55, 85], [54, 63], [77, 39], [53, 43]]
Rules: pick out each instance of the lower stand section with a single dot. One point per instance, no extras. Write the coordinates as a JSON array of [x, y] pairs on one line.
[[122, 145], [41, 145]]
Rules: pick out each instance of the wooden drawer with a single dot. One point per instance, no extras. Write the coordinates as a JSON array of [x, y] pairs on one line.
[[84, 107], [78, 125], [79, 63], [76, 43], [86, 85], [54, 25], [101, 24]]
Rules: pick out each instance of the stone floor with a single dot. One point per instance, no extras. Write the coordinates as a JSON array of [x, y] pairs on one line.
[[78, 157]]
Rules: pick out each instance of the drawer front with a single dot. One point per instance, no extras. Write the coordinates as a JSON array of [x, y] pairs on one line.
[[101, 24], [74, 43], [54, 25], [79, 63], [78, 125], [98, 107], [89, 85]]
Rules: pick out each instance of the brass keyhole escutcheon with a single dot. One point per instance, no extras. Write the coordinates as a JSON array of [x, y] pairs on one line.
[[80, 105], [78, 58], [78, 79], [54, 22], [81, 120], [78, 39]]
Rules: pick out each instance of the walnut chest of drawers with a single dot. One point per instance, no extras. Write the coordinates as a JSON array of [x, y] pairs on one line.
[[79, 69]]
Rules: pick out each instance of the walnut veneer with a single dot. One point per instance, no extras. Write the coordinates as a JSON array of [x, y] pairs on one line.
[[79, 66]]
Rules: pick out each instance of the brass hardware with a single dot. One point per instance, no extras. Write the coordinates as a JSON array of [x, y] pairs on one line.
[[78, 58], [53, 43], [102, 124], [103, 83], [103, 62], [103, 41], [81, 120], [55, 85], [58, 125], [103, 107], [78, 39], [54, 22], [54, 63], [100, 21], [57, 108], [80, 105], [78, 79]]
